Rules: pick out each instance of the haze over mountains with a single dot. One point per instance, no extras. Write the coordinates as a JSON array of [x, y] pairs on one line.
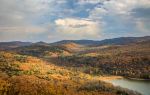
[[114, 41]]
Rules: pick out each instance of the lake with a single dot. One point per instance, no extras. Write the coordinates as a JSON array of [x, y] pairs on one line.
[[142, 86]]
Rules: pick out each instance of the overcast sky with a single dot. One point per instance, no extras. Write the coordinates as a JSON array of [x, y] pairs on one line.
[[53, 20]]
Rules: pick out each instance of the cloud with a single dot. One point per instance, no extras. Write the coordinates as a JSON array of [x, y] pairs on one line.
[[143, 13], [22, 33], [97, 13], [141, 17], [82, 2], [27, 29], [71, 22], [20, 12], [78, 28], [18, 18], [124, 6], [143, 26], [123, 15], [72, 19], [119, 7]]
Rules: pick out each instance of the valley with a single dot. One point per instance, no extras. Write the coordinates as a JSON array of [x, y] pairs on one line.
[[73, 67]]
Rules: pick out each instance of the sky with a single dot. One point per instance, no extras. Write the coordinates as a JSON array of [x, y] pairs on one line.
[[54, 20]]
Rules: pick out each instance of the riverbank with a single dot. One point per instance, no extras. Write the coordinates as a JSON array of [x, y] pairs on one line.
[[140, 86], [138, 79], [108, 78]]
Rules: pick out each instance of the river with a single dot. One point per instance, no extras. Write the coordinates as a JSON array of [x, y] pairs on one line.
[[142, 86]]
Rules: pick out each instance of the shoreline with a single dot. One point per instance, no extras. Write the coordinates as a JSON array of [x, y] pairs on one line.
[[138, 79], [108, 78]]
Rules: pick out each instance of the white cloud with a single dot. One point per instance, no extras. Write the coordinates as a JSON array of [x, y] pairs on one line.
[[97, 13], [125, 6], [19, 11], [121, 7], [78, 28], [89, 1], [70, 22], [123, 12], [18, 17], [31, 17]]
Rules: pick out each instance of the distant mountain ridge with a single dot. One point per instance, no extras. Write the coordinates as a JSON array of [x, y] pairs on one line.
[[124, 40], [81, 42], [40, 43], [13, 44], [114, 41]]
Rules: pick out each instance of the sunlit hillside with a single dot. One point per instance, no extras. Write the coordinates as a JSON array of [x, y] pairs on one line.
[[26, 75]]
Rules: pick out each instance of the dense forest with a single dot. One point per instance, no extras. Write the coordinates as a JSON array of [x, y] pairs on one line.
[[70, 68], [26, 75], [129, 61]]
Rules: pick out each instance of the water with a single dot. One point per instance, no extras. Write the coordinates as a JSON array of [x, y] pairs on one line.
[[142, 86]]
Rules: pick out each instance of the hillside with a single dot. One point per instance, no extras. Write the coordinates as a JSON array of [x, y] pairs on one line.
[[39, 50], [72, 67], [114, 41], [100, 60], [124, 40], [26, 75], [81, 42], [125, 60], [78, 43]]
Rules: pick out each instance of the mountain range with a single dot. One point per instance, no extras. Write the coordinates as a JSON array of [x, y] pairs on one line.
[[114, 41], [72, 67]]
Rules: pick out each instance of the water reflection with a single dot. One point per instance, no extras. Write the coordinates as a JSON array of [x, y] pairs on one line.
[[142, 86]]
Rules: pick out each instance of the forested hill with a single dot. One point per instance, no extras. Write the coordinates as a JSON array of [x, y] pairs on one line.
[[115, 57], [114, 41], [72, 67]]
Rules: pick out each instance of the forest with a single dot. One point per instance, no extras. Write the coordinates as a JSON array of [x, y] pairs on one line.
[[26, 75], [71, 68]]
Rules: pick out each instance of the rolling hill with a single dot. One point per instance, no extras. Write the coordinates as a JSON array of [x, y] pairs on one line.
[[27, 75], [72, 67], [114, 41]]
